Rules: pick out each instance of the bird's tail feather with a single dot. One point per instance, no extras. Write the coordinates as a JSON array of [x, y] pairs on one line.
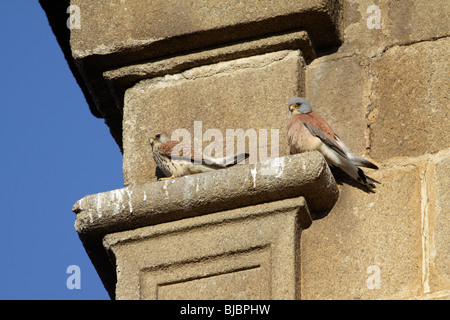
[[229, 161], [357, 174], [358, 161]]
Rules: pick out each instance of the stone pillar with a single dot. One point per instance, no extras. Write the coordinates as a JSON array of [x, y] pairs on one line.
[[246, 253], [199, 65], [376, 70], [205, 229]]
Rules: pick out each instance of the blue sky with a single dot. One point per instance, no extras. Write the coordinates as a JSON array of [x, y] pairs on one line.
[[54, 152]]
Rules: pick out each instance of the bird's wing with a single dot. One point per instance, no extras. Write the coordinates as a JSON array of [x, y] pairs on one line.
[[321, 129], [227, 161], [177, 150]]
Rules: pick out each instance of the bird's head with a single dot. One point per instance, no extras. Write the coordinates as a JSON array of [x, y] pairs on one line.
[[158, 136], [298, 105]]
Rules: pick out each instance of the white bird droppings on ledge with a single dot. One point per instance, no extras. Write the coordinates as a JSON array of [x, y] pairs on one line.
[[254, 172], [130, 204]]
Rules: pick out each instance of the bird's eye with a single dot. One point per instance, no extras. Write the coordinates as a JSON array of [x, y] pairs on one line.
[[158, 135], [298, 104]]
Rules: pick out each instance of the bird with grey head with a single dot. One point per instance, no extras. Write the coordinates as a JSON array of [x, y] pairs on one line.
[[307, 131]]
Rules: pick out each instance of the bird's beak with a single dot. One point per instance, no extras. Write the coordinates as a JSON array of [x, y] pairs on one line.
[[291, 108], [152, 141]]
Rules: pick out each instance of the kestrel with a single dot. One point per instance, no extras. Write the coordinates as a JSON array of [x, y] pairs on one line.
[[307, 131], [177, 159]]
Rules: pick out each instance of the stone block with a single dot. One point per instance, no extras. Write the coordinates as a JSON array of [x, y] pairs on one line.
[[438, 223], [120, 79], [111, 26], [248, 93], [401, 22], [304, 175], [336, 86], [248, 253], [410, 100], [441, 295], [369, 245]]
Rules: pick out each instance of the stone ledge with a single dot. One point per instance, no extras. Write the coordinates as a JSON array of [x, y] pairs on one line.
[[304, 175], [171, 26], [120, 79]]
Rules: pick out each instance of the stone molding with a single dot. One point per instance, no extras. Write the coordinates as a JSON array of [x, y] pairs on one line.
[[235, 254], [305, 175], [109, 39]]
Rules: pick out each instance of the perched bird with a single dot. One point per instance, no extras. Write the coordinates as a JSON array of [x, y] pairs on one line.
[[307, 131], [177, 159]]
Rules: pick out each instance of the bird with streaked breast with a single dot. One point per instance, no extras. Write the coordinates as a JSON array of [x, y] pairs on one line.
[[177, 159], [307, 131]]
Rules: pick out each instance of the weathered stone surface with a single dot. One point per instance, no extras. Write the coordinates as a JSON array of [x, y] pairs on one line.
[[441, 295], [304, 175], [234, 64], [248, 93], [203, 258], [437, 225], [410, 100], [365, 235], [336, 86], [111, 26], [118, 33], [119, 80], [401, 22]]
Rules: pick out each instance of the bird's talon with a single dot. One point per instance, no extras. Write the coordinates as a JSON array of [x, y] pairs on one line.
[[167, 178]]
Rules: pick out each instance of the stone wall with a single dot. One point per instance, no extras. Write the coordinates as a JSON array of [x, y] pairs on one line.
[[386, 93], [377, 70]]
